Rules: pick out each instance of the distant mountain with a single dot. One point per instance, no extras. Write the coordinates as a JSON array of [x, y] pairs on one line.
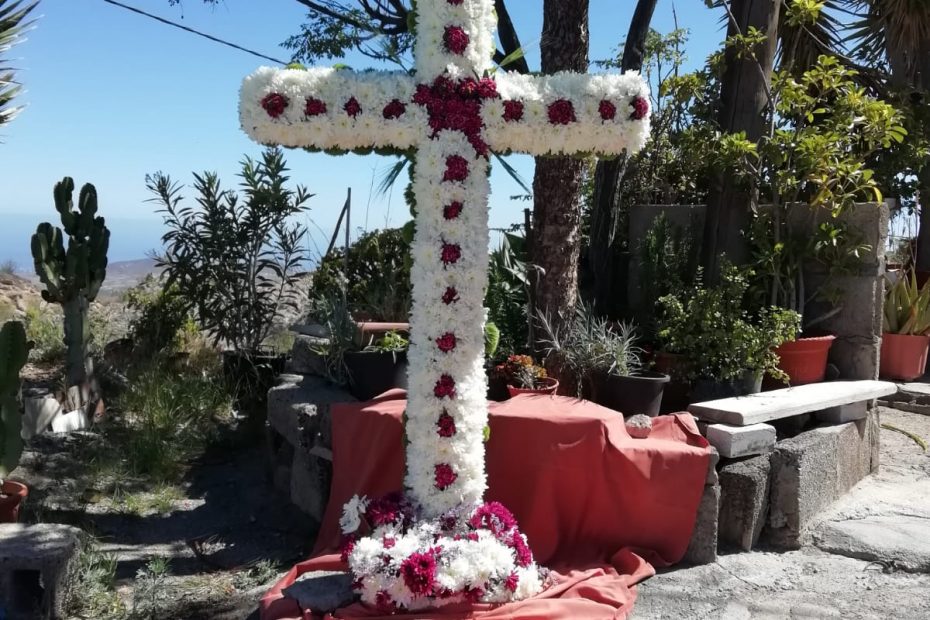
[[121, 275]]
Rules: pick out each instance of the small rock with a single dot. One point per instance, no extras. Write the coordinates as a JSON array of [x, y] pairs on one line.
[[322, 591], [639, 426]]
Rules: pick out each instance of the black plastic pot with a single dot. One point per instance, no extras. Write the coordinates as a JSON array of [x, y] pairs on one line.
[[708, 389], [631, 395], [374, 372]]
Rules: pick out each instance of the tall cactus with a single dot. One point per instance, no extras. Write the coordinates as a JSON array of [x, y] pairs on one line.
[[14, 349], [73, 278]]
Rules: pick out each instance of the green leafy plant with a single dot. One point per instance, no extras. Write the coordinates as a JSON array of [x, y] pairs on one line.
[[710, 327], [234, 262], [44, 328], [588, 344], [162, 321], [14, 351], [492, 338], [668, 261], [375, 276], [332, 313], [73, 278], [907, 307], [520, 371], [391, 342], [507, 297]]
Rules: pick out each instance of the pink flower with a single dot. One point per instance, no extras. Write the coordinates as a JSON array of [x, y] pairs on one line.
[[487, 88], [511, 582], [452, 210], [451, 253], [607, 109], [348, 545], [521, 550], [314, 107], [445, 387], [456, 168], [446, 342], [395, 109], [640, 108], [274, 104], [444, 476], [419, 572], [561, 112], [352, 107], [388, 542], [450, 296], [493, 516], [384, 603], [389, 509], [513, 110], [446, 426], [455, 39]]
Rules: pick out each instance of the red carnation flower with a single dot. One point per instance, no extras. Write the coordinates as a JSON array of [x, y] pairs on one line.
[[446, 429], [452, 211], [511, 582], [513, 110], [419, 572], [423, 94], [455, 39], [384, 603], [395, 109], [473, 595], [388, 542], [456, 168], [447, 522], [274, 104], [445, 387], [607, 109], [348, 545], [444, 476], [352, 107], [314, 107], [451, 253], [561, 112], [450, 296], [391, 508], [481, 147], [467, 87], [493, 516], [487, 88], [446, 342], [640, 108]]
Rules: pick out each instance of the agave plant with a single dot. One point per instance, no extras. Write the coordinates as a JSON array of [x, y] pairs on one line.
[[13, 24], [907, 307]]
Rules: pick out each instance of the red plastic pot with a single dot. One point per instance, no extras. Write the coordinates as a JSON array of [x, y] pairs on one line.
[[551, 385], [805, 360], [904, 357], [12, 495]]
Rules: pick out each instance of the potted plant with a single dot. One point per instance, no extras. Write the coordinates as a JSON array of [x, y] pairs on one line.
[[14, 351], [809, 168], [727, 350], [603, 362], [523, 375], [235, 264], [379, 367], [905, 330]]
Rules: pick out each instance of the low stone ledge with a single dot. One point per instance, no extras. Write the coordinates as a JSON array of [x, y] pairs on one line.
[[738, 441], [702, 549], [35, 565], [295, 407], [744, 500]]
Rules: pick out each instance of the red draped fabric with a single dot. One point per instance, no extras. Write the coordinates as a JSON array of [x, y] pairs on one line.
[[597, 506]]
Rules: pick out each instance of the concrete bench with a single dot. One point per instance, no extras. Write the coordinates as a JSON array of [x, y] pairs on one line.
[[35, 565], [738, 426]]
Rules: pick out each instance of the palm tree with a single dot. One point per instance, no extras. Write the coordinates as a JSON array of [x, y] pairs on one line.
[[12, 26]]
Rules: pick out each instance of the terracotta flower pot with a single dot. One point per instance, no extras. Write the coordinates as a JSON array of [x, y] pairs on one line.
[[12, 495], [903, 357], [805, 360], [549, 387]]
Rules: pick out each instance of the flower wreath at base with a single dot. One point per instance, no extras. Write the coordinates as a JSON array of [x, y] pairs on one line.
[[468, 555]]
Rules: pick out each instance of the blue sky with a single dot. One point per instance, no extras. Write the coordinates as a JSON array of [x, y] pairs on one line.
[[112, 95]]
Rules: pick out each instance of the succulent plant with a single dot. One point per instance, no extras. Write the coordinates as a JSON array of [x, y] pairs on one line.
[[14, 350], [73, 277], [907, 307]]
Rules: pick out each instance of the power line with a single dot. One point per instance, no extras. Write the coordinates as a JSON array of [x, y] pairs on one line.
[[197, 32]]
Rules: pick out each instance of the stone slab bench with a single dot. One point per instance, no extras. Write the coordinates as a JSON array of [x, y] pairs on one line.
[[738, 427], [35, 566]]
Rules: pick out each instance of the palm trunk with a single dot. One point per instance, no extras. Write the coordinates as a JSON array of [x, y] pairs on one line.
[[556, 183], [744, 101], [608, 292]]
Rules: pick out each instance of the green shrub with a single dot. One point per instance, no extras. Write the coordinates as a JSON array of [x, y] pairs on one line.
[[44, 327], [162, 322], [8, 268], [506, 297], [93, 590]]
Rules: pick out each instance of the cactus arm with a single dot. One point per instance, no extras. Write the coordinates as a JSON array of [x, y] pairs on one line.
[[14, 351]]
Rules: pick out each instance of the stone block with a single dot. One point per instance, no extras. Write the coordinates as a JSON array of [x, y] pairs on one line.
[[712, 477], [304, 357], [736, 441], [36, 563], [294, 406], [811, 471], [310, 484], [843, 413], [703, 546], [322, 591], [788, 402], [744, 500]]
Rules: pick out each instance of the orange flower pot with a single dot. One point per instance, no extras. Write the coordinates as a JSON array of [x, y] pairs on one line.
[[805, 360], [903, 357], [12, 495], [550, 386]]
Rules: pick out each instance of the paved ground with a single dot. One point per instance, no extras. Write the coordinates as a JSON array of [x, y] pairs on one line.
[[885, 519]]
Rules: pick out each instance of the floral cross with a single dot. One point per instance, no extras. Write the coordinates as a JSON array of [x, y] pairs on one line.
[[455, 111]]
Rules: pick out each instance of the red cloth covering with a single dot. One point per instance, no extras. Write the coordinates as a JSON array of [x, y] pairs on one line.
[[597, 506]]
